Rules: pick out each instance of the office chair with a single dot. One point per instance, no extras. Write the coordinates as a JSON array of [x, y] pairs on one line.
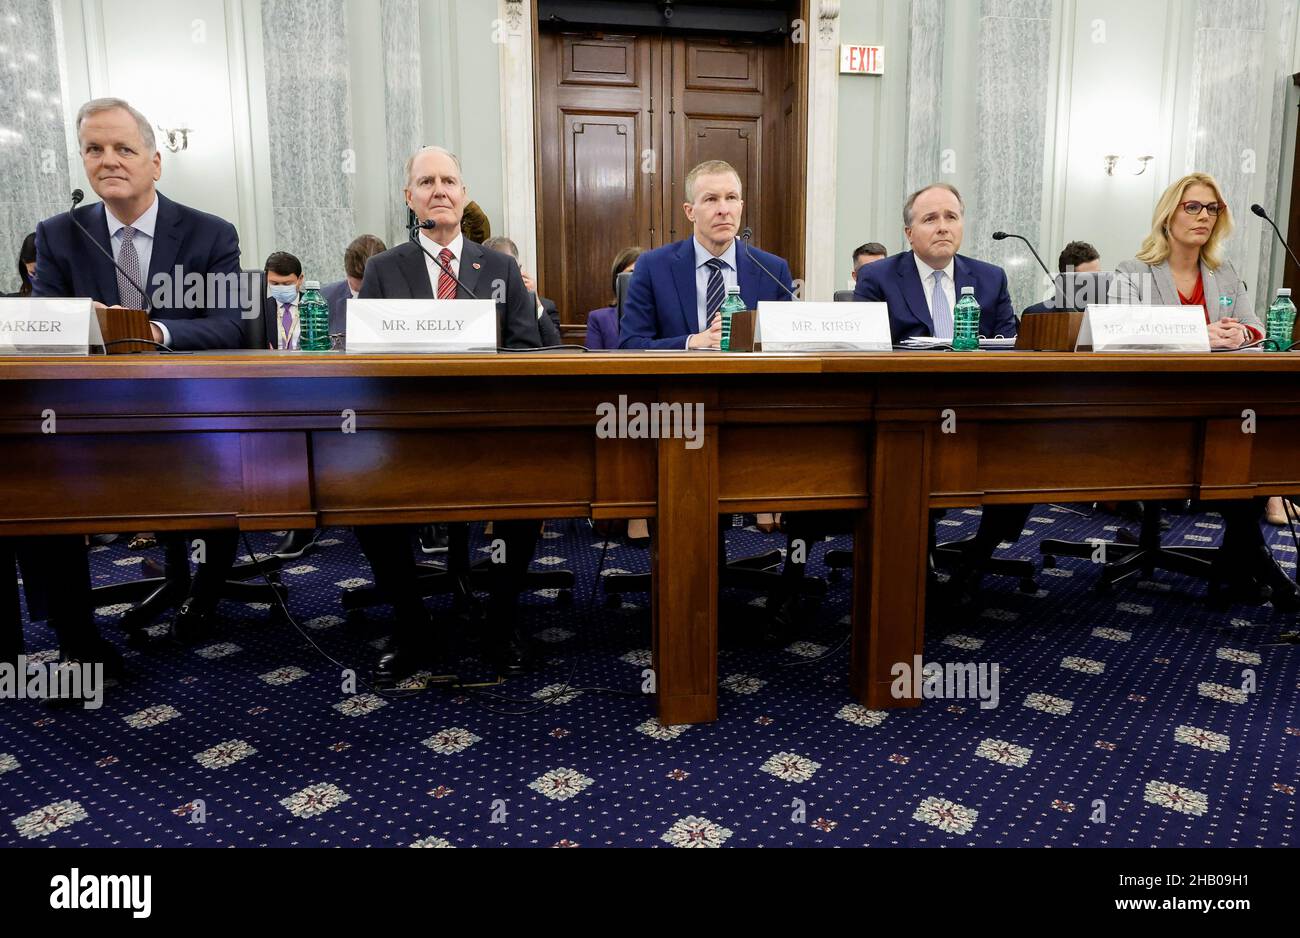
[[844, 296], [168, 584]]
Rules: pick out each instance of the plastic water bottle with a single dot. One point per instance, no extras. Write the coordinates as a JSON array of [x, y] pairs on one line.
[[1281, 322], [734, 303], [966, 322], [313, 319]]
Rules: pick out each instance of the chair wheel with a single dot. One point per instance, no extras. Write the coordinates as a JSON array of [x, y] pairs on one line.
[[1027, 585], [1049, 561]]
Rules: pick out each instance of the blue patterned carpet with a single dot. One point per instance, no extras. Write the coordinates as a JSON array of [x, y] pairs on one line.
[[1125, 705]]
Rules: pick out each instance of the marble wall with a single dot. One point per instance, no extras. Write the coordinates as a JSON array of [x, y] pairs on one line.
[[1271, 258], [1227, 71], [33, 147], [924, 93], [1015, 44], [403, 103], [309, 110]]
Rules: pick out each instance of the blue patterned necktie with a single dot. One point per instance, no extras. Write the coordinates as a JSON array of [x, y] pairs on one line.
[[716, 292], [127, 293], [940, 310]]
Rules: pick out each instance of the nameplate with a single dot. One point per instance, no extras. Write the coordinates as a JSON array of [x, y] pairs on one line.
[[40, 326], [823, 327], [441, 326], [1123, 328]]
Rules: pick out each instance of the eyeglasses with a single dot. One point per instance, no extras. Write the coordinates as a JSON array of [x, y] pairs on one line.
[[1194, 208]]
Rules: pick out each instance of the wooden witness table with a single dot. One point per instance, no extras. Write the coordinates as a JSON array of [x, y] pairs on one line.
[[259, 440]]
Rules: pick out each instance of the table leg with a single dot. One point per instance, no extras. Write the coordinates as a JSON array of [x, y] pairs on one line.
[[685, 587], [889, 566]]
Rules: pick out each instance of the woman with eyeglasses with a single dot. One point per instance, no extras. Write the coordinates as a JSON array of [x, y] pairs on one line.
[[1182, 264]]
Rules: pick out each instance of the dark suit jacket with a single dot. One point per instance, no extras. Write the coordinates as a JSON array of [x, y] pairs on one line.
[[402, 273], [337, 296], [896, 281], [660, 311], [68, 266], [602, 328]]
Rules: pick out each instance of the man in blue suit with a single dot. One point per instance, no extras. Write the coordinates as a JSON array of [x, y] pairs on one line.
[[677, 290], [160, 243], [922, 285]]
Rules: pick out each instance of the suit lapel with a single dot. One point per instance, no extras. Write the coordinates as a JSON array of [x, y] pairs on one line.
[[962, 275], [747, 274], [1210, 284], [1166, 292], [167, 235], [415, 269], [684, 277], [471, 268], [914, 292], [96, 222]]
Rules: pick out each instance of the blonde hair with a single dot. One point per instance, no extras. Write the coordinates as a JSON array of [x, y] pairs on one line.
[[707, 168], [1156, 249]]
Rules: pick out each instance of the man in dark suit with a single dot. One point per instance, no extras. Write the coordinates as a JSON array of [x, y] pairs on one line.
[[159, 242], [337, 294], [1071, 291], [548, 314], [436, 193], [676, 290], [163, 246], [922, 285]]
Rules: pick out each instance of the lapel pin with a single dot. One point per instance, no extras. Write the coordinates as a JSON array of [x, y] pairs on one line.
[[478, 266]]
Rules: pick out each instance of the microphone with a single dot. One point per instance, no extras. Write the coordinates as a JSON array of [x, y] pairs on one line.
[[744, 239], [1002, 236], [1259, 210], [77, 197], [428, 225]]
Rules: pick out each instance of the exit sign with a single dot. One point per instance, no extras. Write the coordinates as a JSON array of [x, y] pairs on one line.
[[862, 60]]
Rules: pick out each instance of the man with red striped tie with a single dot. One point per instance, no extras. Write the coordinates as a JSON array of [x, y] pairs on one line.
[[445, 265]]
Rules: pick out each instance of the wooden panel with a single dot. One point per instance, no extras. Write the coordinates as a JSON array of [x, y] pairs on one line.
[[1273, 452], [603, 175], [595, 123], [610, 60], [498, 473], [723, 68], [776, 462], [626, 479], [183, 480], [1027, 456], [277, 482]]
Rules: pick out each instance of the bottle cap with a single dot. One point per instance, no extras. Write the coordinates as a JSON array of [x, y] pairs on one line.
[[1284, 291], [312, 285], [967, 291]]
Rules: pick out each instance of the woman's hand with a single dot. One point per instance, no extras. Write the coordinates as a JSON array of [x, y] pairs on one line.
[[1227, 333]]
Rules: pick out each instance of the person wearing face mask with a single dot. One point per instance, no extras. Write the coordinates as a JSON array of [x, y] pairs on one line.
[[284, 282]]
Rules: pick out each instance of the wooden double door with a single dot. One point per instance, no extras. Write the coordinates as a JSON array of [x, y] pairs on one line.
[[623, 118]]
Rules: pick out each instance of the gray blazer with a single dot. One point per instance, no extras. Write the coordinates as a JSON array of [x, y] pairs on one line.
[[1145, 284]]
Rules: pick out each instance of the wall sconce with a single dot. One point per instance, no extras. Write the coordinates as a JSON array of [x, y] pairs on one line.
[[1140, 162], [176, 139]]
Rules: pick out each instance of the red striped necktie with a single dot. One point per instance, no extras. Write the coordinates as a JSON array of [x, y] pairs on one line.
[[446, 283]]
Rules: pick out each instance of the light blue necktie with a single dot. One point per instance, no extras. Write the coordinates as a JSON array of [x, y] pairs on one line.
[[940, 311]]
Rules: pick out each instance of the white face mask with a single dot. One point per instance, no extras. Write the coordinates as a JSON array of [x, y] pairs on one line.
[[284, 293]]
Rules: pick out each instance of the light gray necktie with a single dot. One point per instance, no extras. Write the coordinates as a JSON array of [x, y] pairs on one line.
[[127, 294], [940, 311]]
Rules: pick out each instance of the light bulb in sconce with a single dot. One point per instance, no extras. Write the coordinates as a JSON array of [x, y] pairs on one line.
[[176, 139], [1135, 165]]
